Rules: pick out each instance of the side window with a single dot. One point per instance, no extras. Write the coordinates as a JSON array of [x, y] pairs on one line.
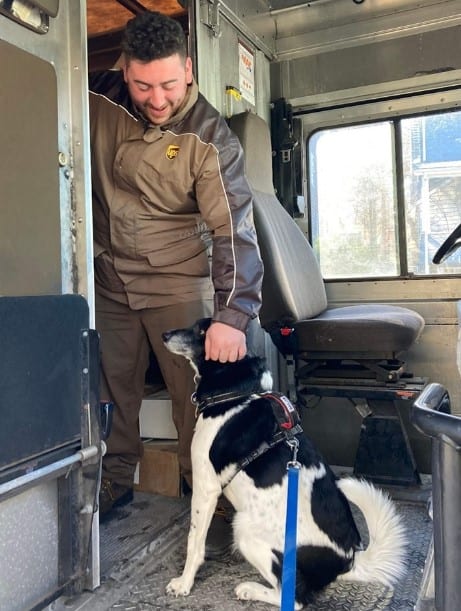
[[431, 158], [384, 196]]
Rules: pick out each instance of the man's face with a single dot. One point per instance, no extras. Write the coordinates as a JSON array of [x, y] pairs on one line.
[[159, 87]]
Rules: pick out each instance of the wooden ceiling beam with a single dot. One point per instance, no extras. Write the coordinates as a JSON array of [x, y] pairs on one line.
[[133, 5], [108, 15]]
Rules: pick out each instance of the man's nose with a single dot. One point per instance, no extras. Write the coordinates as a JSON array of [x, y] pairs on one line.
[[157, 98]]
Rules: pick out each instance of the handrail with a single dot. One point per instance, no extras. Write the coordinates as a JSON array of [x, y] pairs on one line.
[[23, 482], [431, 415]]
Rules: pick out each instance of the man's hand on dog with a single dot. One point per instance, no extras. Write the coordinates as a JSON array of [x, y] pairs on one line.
[[224, 343]]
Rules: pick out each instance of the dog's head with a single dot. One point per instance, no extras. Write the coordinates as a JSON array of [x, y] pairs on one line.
[[248, 375], [189, 342]]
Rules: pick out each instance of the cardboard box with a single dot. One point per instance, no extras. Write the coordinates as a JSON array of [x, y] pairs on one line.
[[158, 470], [155, 419]]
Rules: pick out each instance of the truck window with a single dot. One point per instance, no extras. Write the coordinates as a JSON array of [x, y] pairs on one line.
[[385, 195]]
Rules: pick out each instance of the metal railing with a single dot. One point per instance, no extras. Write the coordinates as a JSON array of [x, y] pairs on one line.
[[431, 415], [52, 471]]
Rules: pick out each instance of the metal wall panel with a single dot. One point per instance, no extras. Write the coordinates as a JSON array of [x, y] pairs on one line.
[[218, 58], [46, 209], [364, 71], [330, 52], [30, 239], [29, 547]]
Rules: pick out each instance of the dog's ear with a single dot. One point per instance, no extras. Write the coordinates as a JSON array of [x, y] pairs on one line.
[[203, 325]]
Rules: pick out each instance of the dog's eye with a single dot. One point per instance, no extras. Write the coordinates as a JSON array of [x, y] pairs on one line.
[[202, 333]]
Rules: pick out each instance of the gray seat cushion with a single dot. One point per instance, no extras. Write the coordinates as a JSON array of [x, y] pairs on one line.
[[370, 331]]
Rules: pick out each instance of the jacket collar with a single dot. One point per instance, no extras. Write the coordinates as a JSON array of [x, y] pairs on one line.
[[189, 101]]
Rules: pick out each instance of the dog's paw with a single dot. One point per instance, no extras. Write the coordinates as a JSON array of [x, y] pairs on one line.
[[243, 590], [178, 587], [250, 590]]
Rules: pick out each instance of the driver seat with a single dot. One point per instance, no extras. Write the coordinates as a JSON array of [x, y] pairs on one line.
[[350, 351]]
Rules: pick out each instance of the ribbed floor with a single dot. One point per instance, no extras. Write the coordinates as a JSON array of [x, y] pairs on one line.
[[143, 547]]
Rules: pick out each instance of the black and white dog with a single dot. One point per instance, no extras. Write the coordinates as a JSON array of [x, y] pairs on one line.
[[237, 420]]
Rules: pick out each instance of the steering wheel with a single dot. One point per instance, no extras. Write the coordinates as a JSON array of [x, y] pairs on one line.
[[452, 243]]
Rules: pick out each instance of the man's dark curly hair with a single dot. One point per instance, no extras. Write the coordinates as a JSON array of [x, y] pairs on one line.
[[151, 35]]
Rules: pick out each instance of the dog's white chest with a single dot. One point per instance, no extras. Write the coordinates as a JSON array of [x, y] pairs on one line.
[[205, 433]]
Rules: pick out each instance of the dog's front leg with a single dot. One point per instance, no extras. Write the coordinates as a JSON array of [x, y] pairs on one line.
[[203, 504]]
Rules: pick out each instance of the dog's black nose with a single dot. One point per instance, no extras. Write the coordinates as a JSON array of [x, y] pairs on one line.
[[166, 336]]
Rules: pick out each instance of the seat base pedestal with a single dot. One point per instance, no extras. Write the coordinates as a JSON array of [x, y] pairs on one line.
[[384, 454]]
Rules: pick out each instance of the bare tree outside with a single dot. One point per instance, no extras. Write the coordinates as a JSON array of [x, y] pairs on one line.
[[354, 202]]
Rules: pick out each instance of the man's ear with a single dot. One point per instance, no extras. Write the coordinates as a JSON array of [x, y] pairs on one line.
[[189, 75], [121, 64]]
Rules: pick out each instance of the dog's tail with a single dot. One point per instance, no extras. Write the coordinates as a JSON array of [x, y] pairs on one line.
[[384, 558]]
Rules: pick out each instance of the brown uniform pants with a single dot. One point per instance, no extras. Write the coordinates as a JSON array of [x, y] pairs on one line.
[[126, 336]]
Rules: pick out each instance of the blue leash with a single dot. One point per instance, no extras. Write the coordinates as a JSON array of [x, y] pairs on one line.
[[289, 554]]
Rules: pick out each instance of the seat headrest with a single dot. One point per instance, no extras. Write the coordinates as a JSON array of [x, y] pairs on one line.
[[254, 135]]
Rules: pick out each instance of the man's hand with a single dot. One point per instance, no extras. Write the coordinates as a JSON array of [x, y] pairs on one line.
[[224, 343]]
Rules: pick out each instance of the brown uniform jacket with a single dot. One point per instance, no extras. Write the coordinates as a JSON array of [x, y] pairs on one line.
[[160, 195]]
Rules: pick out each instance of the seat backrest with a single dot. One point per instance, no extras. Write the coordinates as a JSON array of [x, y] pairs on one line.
[[255, 138], [293, 287]]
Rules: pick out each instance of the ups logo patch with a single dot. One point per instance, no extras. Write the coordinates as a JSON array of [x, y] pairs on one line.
[[172, 151]]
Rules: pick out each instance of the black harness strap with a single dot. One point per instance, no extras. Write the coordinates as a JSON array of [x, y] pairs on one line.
[[286, 415], [226, 397], [284, 337], [289, 425]]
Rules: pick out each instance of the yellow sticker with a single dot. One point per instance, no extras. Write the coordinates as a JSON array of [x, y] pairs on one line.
[[172, 151]]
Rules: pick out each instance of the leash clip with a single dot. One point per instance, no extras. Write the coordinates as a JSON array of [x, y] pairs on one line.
[[193, 400], [294, 445]]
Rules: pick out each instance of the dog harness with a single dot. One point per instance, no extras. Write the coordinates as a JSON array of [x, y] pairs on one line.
[[289, 425], [285, 413], [225, 397]]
